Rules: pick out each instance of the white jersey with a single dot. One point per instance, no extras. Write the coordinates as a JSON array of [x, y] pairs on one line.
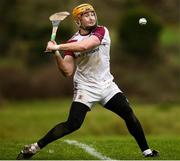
[[93, 81], [93, 67]]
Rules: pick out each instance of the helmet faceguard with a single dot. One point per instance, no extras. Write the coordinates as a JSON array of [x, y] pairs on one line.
[[79, 11]]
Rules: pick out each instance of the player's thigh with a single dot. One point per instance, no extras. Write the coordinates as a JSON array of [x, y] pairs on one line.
[[108, 93], [119, 104], [77, 113], [86, 97]]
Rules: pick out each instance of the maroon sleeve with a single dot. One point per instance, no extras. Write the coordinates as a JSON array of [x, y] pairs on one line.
[[70, 52], [99, 32]]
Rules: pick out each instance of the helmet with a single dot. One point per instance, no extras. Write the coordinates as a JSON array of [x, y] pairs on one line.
[[79, 10]]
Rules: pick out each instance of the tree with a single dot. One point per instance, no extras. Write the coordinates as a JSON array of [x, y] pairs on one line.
[[139, 40]]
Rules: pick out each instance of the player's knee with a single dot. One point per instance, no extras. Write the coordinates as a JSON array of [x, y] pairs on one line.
[[76, 125], [127, 113], [73, 125], [129, 116]]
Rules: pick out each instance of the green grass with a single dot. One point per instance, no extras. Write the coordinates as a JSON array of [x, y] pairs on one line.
[[117, 147], [25, 122], [39, 116]]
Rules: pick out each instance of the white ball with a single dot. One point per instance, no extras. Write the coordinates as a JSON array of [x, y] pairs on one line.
[[142, 21]]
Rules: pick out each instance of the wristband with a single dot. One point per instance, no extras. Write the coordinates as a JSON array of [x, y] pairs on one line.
[[57, 47]]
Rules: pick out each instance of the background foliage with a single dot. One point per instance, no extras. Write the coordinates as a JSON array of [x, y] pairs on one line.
[[140, 40], [145, 60]]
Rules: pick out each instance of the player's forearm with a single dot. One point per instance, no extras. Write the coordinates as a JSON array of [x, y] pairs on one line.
[[79, 46], [75, 47]]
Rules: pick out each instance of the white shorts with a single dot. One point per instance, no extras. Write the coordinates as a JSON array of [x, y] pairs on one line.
[[91, 95]]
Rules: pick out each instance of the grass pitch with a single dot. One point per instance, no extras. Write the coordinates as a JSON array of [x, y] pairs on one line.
[[117, 147], [25, 122]]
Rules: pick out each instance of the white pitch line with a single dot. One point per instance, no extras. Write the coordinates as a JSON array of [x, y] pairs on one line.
[[88, 149]]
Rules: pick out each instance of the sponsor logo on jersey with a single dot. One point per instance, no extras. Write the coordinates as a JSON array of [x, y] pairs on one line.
[[88, 53]]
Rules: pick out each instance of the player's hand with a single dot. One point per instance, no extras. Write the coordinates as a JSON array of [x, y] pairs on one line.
[[51, 46]]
